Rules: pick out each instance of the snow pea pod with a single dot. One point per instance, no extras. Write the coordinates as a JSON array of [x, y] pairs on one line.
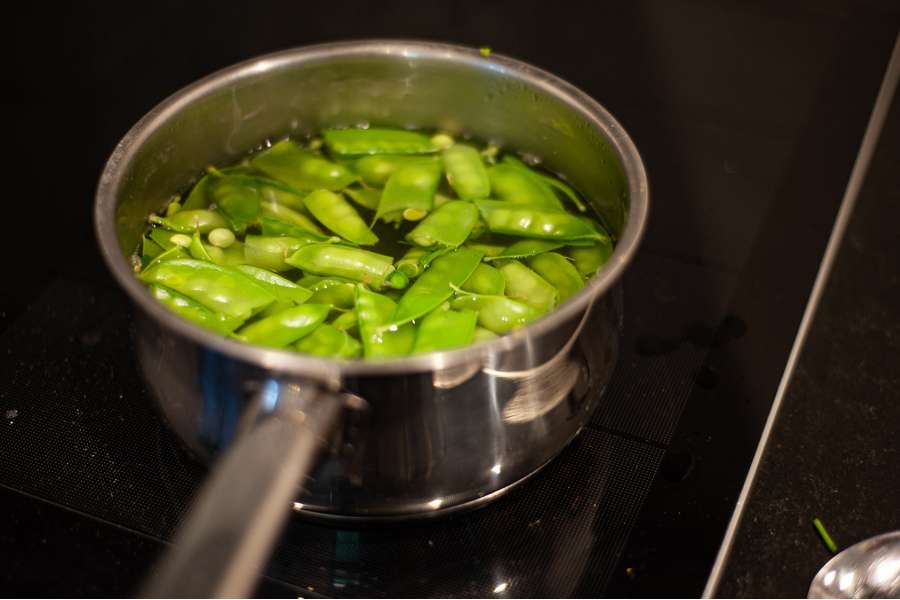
[[337, 292], [346, 321], [271, 252], [187, 221], [239, 202], [497, 313], [223, 289], [375, 170], [282, 213], [301, 169], [277, 228], [379, 338], [483, 335], [443, 329], [338, 215], [351, 263], [364, 196], [410, 264], [194, 311], [526, 248], [514, 185], [525, 221], [283, 289], [163, 237], [559, 272], [485, 279], [557, 184], [589, 259], [198, 196], [151, 249], [435, 285], [489, 250], [466, 173], [409, 192], [170, 254], [376, 140], [524, 284], [449, 226], [285, 327], [276, 195], [328, 340]]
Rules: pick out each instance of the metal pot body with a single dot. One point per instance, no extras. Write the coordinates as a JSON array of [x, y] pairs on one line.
[[420, 435]]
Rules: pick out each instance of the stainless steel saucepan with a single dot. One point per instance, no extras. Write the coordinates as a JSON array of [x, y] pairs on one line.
[[417, 436]]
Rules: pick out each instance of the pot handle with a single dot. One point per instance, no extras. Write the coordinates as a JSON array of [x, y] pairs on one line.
[[226, 537]]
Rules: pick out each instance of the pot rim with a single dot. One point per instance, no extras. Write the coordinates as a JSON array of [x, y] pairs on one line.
[[282, 361]]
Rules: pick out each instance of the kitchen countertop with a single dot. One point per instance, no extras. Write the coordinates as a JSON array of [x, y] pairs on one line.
[[834, 451]]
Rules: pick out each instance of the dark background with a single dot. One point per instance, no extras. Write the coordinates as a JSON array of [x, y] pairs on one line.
[[760, 104]]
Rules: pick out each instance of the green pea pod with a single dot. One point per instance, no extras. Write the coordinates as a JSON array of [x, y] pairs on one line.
[[526, 248], [345, 261], [559, 272], [280, 212], [338, 215], [328, 340], [278, 195], [283, 289], [375, 170], [444, 329], [151, 249], [466, 173], [409, 191], [513, 219], [524, 284], [410, 264], [555, 183], [346, 321], [301, 169], [163, 237], [194, 311], [239, 202], [435, 285], [271, 252], [339, 293], [285, 327], [497, 313], [201, 251], [489, 250], [485, 279], [483, 335], [512, 184], [188, 221], [198, 196], [222, 289], [170, 254], [589, 259], [449, 226], [377, 141], [276, 228], [379, 339], [366, 197]]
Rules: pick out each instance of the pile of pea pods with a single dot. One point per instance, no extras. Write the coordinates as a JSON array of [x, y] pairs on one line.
[[371, 243]]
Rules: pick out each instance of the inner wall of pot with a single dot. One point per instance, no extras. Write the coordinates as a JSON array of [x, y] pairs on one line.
[[479, 98]]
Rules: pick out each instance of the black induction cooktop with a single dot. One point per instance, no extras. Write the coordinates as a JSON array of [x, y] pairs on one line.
[[748, 119]]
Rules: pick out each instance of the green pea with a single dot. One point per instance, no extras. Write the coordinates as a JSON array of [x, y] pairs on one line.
[[188, 221], [485, 279], [466, 173], [283, 289], [343, 261], [222, 289], [239, 202], [377, 141], [449, 226], [524, 284], [497, 313], [526, 248], [285, 327], [375, 170], [379, 337], [173, 207], [512, 184], [271, 252], [435, 285], [221, 237], [282, 213], [513, 219], [301, 169], [180, 239], [339, 216], [444, 329], [589, 259], [410, 187], [364, 196], [328, 340], [442, 140], [559, 272], [194, 311]]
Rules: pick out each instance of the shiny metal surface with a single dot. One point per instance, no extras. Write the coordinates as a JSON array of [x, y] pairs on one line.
[[869, 569], [443, 429]]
